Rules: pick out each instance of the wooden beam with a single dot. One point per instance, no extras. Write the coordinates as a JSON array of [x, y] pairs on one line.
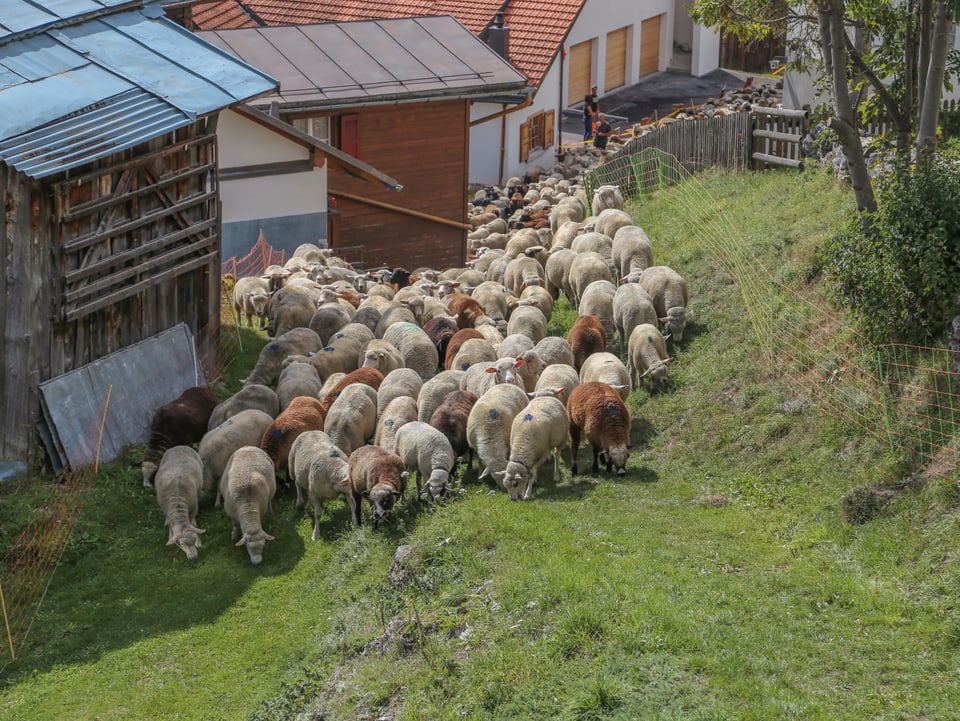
[[399, 209], [503, 113], [265, 169]]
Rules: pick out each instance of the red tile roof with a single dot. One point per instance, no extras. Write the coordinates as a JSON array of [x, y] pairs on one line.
[[537, 27]]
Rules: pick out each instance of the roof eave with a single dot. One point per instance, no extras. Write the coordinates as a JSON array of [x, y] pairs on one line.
[[353, 165]]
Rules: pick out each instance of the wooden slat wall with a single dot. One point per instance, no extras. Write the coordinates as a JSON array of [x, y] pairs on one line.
[[124, 249], [425, 147], [615, 67], [650, 46], [581, 71]]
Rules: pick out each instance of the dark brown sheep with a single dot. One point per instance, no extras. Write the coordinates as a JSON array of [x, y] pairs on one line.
[[370, 376], [597, 411], [586, 337], [181, 422], [303, 414], [457, 340], [450, 418], [379, 475], [440, 330]]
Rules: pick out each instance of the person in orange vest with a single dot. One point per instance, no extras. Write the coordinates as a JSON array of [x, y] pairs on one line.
[[591, 106]]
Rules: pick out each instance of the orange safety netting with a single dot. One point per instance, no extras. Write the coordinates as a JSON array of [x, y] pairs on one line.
[[261, 256]]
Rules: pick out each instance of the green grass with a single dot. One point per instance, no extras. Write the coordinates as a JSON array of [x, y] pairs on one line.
[[715, 581]]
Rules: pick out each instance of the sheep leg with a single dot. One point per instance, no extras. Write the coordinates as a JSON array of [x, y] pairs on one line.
[[354, 499], [531, 478], [574, 447], [317, 511], [556, 465]]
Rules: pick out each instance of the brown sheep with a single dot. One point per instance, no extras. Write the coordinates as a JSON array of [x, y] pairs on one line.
[[465, 309], [596, 410], [586, 337], [379, 475], [181, 422], [303, 414], [450, 418], [369, 376], [458, 339]]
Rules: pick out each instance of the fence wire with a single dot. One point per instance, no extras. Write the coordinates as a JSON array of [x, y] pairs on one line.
[[28, 567], [905, 396]]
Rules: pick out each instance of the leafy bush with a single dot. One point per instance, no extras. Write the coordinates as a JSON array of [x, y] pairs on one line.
[[901, 278]]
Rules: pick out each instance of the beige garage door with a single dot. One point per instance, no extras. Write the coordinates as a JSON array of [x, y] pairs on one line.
[[650, 46], [616, 60], [581, 70]]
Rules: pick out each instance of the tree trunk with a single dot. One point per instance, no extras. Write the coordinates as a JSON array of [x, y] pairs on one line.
[[930, 109], [830, 14]]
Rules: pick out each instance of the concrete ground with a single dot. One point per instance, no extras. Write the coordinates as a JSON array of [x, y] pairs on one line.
[[654, 95]]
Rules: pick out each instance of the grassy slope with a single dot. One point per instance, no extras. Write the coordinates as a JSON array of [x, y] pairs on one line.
[[715, 581]]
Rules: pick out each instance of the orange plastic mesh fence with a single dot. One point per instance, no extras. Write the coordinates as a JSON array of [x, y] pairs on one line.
[[905, 396], [261, 256]]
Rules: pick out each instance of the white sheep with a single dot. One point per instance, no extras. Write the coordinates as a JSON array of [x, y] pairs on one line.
[[530, 369], [585, 269], [631, 307], [554, 349], [382, 355], [610, 220], [402, 382], [632, 251], [179, 481], [352, 417], [299, 378], [606, 368], [539, 297], [481, 377], [435, 390], [647, 354], [247, 487], [254, 395], [246, 428], [416, 348], [527, 320], [250, 297], [319, 469], [473, 350], [488, 426], [401, 410], [606, 196], [668, 291], [597, 300], [538, 430], [558, 376], [425, 449]]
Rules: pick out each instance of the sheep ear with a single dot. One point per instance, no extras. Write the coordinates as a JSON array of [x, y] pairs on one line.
[[491, 370], [197, 530], [405, 474], [519, 362], [344, 482], [171, 541], [499, 474], [241, 542], [531, 395], [268, 537], [619, 387], [665, 320], [667, 360], [396, 493]]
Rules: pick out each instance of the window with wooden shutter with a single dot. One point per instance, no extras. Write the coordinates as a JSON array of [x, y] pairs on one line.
[[549, 121], [525, 141]]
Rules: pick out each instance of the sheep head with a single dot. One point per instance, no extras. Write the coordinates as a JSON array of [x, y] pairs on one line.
[[188, 540], [255, 542]]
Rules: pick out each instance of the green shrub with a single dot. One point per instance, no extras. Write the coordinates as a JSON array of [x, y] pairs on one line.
[[901, 278]]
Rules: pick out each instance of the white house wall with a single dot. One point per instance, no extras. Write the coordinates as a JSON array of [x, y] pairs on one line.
[[596, 19], [288, 208]]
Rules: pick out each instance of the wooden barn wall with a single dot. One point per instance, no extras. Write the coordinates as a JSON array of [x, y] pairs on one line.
[[125, 248], [26, 290], [425, 147]]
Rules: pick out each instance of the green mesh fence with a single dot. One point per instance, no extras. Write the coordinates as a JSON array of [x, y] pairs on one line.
[[906, 396]]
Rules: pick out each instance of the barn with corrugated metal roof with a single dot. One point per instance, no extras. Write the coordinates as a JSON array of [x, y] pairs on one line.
[[108, 169]]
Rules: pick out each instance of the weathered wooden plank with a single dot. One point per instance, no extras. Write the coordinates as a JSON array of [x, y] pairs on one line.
[[72, 293], [136, 254], [96, 236], [155, 280]]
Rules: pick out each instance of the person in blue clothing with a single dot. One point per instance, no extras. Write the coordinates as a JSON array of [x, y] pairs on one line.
[[591, 107]]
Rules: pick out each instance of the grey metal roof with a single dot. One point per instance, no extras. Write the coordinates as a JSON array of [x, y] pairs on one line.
[[77, 88], [364, 62]]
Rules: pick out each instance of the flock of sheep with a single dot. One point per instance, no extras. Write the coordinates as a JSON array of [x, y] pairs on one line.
[[371, 376]]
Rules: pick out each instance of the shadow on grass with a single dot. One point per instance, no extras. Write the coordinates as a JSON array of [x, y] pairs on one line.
[[118, 583]]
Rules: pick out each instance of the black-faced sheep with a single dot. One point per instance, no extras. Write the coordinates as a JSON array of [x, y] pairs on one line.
[[181, 422], [598, 412], [378, 475]]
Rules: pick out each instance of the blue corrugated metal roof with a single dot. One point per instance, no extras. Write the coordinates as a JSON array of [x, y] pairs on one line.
[[68, 85]]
